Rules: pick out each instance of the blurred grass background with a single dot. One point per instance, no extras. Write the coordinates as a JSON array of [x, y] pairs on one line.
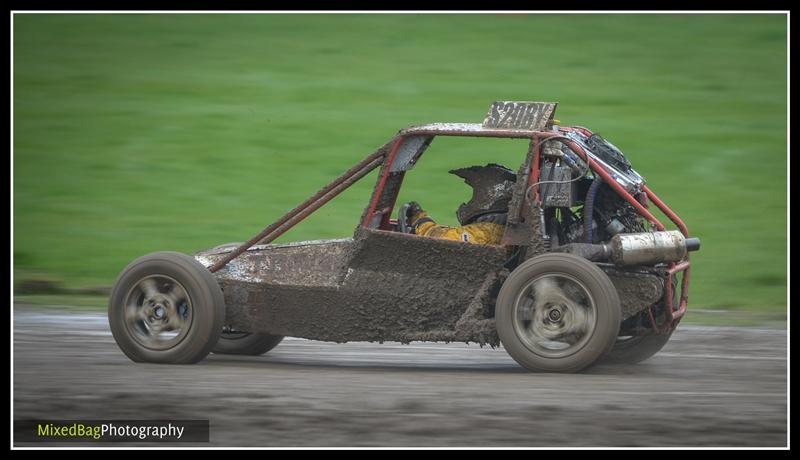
[[138, 133]]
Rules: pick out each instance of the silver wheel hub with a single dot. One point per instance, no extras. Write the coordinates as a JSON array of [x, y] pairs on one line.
[[554, 315], [158, 312]]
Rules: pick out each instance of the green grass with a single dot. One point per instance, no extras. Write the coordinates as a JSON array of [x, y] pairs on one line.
[[138, 133]]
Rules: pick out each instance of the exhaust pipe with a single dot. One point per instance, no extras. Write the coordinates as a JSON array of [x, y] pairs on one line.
[[651, 248], [637, 248]]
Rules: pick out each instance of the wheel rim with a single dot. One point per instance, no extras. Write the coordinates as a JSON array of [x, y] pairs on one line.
[[554, 315], [158, 312]]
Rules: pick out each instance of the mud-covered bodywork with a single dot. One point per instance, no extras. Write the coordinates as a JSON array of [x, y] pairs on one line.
[[381, 286], [375, 286]]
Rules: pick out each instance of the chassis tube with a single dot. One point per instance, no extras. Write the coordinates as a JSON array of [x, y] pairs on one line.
[[666, 210], [299, 213], [379, 189]]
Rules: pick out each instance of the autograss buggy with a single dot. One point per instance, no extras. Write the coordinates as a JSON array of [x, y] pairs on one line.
[[585, 271]]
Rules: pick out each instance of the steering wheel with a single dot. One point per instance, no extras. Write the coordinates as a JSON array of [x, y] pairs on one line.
[[402, 219]]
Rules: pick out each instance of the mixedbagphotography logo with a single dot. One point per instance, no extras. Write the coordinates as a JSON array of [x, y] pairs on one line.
[[111, 430]]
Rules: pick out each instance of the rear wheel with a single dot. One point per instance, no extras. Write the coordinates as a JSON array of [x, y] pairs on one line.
[[246, 343], [166, 307], [557, 313], [635, 349]]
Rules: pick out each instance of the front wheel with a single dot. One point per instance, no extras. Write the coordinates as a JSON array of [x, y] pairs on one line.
[[557, 313], [246, 343], [166, 307]]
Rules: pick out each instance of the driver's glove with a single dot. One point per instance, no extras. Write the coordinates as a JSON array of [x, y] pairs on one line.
[[416, 216], [412, 212]]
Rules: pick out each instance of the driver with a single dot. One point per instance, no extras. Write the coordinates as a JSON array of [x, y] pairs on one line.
[[482, 219]]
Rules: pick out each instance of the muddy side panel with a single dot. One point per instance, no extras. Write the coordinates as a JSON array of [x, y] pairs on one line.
[[260, 284], [406, 287], [381, 286]]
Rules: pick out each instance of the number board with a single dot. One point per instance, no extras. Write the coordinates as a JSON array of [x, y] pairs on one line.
[[534, 116]]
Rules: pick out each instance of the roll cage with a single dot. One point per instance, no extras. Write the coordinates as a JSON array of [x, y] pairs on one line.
[[511, 120]]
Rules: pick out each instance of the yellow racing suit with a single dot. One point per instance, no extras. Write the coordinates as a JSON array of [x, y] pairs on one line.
[[478, 233]]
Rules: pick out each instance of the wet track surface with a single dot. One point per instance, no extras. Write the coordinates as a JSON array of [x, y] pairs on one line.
[[710, 386]]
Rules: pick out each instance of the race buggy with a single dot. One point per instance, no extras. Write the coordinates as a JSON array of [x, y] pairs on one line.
[[585, 271]]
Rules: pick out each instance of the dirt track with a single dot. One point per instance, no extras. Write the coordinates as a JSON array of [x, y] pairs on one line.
[[710, 386]]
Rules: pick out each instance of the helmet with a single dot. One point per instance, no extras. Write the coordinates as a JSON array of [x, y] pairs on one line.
[[492, 186]]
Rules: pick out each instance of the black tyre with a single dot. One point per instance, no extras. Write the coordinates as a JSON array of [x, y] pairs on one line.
[[557, 313], [635, 349], [245, 343], [166, 307]]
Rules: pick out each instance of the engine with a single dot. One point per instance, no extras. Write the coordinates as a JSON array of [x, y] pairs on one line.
[[579, 207], [582, 214]]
